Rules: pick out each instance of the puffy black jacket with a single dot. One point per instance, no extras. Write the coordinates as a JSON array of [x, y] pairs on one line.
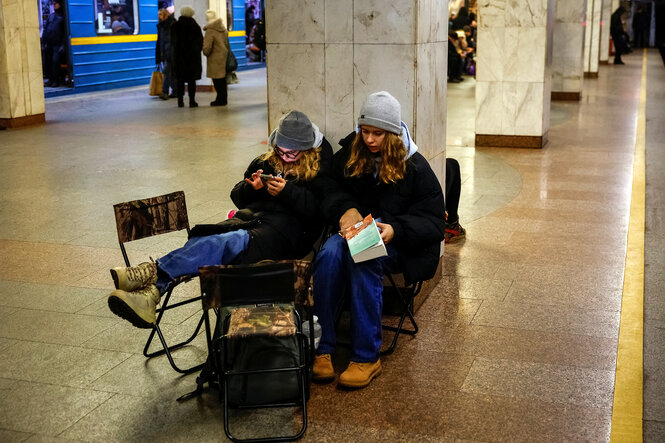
[[288, 223], [414, 207]]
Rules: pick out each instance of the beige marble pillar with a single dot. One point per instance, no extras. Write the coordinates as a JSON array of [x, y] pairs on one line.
[[21, 82], [568, 50], [605, 19], [513, 72], [592, 38], [326, 56]]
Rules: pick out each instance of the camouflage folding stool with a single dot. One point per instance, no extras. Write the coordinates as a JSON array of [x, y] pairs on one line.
[[148, 217], [260, 356]]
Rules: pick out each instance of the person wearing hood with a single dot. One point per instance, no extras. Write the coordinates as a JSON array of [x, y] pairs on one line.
[[54, 37], [378, 171], [617, 33], [278, 218], [187, 41], [164, 54], [216, 49]]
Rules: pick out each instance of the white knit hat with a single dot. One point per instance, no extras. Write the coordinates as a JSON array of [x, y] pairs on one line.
[[210, 15], [381, 110], [187, 11]]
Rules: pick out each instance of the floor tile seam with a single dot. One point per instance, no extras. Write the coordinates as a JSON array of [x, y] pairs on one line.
[[80, 346], [522, 303], [85, 415], [540, 331], [42, 383], [540, 365], [605, 337]]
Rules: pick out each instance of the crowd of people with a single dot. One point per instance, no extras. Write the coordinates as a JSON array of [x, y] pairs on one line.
[[462, 30], [286, 198], [180, 44]]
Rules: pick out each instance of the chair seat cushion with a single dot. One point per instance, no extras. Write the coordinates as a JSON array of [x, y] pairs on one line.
[[275, 320]]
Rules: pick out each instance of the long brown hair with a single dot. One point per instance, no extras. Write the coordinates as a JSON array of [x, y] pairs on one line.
[[305, 168], [392, 167]]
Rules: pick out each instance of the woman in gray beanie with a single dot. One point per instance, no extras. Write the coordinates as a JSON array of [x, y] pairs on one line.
[[278, 218], [379, 172]]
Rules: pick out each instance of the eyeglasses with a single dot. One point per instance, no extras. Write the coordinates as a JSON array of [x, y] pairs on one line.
[[291, 155]]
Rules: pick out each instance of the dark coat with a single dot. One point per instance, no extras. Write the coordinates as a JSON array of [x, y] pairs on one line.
[[289, 223], [54, 29], [163, 48], [616, 26], [187, 41], [414, 207]]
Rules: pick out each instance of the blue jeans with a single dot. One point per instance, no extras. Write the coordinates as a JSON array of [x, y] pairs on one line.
[[218, 249], [335, 276]]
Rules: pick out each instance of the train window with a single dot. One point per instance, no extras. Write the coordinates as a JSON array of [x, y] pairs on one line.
[[116, 17], [229, 15]]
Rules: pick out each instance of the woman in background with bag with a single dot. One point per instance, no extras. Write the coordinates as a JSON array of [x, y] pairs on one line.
[[216, 49]]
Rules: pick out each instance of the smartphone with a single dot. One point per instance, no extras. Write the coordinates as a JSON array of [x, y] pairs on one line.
[[266, 177]]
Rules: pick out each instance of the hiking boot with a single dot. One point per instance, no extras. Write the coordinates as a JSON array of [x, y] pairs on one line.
[[453, 232], [131, 279], [137, 307], [323, 370], [358, 375]]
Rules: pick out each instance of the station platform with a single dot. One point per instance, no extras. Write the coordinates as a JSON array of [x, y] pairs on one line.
[[519, 341]]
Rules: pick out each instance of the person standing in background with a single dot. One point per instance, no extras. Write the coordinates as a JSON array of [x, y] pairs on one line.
[[216, 49], [187, 41], [164, 54], [54, 36], [617, 33], [641, 25]]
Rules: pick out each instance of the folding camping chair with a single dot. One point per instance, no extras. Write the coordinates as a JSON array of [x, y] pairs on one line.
[[261, 357], [146, 218]]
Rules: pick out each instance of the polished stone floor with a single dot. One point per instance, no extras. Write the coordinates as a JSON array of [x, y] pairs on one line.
[[518, 341]]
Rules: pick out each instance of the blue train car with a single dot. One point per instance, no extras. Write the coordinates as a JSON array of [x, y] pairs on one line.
[[112, 42]]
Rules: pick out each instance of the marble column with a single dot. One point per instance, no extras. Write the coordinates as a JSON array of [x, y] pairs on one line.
[[513, 72], [568, 50], [326, 56], [21, 82], [592, 38], [605, 19]]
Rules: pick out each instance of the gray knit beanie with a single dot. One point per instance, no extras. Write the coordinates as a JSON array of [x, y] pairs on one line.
[[381, 110], [295, 132]]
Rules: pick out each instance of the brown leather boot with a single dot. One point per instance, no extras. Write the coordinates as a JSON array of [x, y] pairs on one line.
[[323, 370], [358, 375]]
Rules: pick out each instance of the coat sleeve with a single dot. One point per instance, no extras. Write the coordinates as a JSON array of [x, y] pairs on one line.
[[424, 221], [243, 193], [208, 42], [335, 200], [300, 199]]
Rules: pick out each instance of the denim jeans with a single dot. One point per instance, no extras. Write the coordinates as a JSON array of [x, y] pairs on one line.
[[335, 276], [218, 249]]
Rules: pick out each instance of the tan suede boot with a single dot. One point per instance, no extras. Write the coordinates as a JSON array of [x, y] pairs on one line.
[[137, 307], [323, 370], [131, 279], [358, 375]]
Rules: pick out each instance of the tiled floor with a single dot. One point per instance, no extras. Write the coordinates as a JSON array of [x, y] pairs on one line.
[[517, 342]]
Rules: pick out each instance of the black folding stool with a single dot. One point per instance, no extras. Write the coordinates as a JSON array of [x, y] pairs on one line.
[[265, 287]]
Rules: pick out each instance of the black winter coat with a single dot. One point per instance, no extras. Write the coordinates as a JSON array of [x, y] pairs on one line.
[[289, 223], [163, 49], [187, 42], [54, 29], [616, 25], [414, 207]]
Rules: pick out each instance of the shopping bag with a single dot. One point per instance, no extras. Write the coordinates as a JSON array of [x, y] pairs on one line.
[[156, 82]]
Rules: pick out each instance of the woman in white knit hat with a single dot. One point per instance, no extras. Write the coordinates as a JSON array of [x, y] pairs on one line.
[[379, 172], [216, 49]]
